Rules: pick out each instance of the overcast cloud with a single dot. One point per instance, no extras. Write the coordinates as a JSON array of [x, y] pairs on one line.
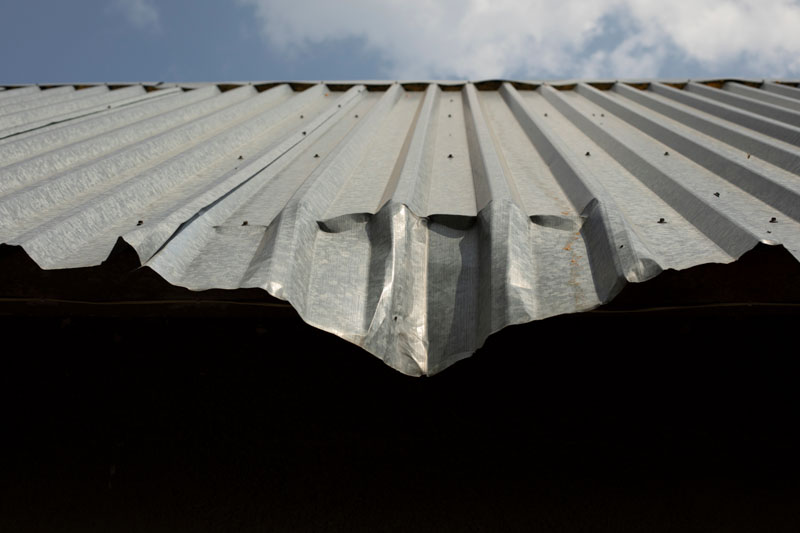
[[477, 39]]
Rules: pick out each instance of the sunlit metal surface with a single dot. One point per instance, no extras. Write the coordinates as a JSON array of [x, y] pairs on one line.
[[411, 219]]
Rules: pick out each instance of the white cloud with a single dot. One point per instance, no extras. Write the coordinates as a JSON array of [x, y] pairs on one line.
[[140, 13], [477, 39]]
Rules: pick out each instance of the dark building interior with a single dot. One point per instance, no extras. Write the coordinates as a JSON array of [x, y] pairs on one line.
[[131, 405]]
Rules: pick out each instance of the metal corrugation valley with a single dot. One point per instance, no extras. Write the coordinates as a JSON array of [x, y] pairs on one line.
[[411, 219]]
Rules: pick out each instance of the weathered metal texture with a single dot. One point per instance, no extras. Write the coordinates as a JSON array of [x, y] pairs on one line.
[[411, 220]]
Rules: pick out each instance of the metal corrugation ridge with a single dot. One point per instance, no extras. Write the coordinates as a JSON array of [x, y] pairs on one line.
[[413, 218]]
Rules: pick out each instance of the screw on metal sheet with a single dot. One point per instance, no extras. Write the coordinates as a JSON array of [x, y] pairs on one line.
[[109, 107], [450, 156], [449, 115], [395, 318], [339, 105], [666, 153], [356, 116], [662, 221], [773, 220], [304, 133], [602, 114], [588, 154], [240, 157], [316, 155], [545, 114], [748, 156], [139, 223], [716, 194], [301, 116], [244, 223], [621, 246]]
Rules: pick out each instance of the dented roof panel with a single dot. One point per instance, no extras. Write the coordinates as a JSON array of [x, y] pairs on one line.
[[411, 219]]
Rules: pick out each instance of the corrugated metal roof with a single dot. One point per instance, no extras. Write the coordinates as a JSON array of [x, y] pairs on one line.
[[411, 219]]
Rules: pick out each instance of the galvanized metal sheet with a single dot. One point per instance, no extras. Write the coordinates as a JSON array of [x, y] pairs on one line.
[[411, 222]]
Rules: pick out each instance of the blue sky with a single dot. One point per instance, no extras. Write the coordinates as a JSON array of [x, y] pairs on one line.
[[45, 41]]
